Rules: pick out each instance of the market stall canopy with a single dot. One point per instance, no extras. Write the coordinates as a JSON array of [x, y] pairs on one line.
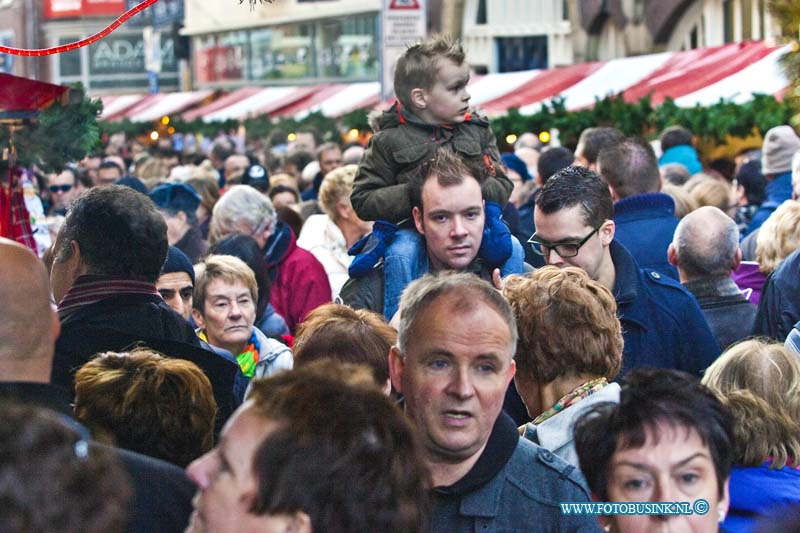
[[732, 72], [24, 95]]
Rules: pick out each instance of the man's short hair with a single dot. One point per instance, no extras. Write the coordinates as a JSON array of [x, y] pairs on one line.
[[553, 160], [592, 140], [577, 186], [419, 64], [120, 233], [228, 268], [448, 168], [345, 334], [630, 167], [148, 403], [111, 164], [52, 479], [471, 289], [706, 249], [345, 440], [326, 147], [750, 177], [650, 397], [674, 173], [242, 207], [567, 325], [675, 136], [72, 170]]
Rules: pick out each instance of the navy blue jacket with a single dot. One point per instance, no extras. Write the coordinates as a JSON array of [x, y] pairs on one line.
[[662, 325], [778, 191], [645, 225]]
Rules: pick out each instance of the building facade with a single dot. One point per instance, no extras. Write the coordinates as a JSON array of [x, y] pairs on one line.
[[19, 28], [511, 35], [283, 43], [139, 56]]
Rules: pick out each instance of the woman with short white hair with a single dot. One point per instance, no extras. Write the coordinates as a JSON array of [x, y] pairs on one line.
[[329, 236]]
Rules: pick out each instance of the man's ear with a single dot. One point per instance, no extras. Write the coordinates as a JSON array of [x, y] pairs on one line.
[[419, 97], [76, 260], [299, 522], [607, 231], [417, 214], [512, 370], [672, 255], [737, 259], [198, 319], [397, 365]]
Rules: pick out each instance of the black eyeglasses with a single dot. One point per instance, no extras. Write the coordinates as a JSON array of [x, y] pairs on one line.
[[60, 188], [563, 249]]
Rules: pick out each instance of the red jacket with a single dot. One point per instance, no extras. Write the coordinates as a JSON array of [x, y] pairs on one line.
[[300, 283]]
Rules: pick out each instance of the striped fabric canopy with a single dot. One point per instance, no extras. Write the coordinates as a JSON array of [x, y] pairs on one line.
[[732, 72]]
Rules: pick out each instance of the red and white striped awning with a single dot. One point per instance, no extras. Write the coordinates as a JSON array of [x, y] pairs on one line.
[[250, 101], [150, 107], [703, 76], [116, 106]]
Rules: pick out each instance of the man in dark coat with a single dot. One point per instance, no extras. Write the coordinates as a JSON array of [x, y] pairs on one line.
[[108, 256], [162, 493], [662, 324], [705, 250], [779, 307]]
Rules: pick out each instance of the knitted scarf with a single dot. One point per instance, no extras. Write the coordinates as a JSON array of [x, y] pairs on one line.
[[248, 359], [89, 289]]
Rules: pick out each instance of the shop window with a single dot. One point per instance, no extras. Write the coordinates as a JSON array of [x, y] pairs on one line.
[[480, 17], [521, 53]]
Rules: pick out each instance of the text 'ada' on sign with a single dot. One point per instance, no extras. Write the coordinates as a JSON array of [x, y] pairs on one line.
[[404, 4]]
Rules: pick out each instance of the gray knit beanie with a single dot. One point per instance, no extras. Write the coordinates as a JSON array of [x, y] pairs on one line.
[[780, 145]]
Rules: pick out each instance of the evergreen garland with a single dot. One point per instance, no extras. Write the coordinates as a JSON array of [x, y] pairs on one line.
[[58, 135], [711, 124]]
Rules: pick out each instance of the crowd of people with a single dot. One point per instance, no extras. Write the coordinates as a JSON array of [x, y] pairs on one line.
[[422, 334]]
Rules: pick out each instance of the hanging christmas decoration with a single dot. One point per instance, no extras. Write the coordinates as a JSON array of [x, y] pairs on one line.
[[83, 42]]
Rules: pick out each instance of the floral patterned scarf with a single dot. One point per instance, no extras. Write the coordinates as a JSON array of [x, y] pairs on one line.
[[573, 397]]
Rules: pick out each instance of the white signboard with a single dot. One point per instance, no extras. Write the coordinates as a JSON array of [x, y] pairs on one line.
[[403, 22]]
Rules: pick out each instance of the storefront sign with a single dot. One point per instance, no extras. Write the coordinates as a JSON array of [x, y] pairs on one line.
[[125, 54], [54, 9], [403, 22]]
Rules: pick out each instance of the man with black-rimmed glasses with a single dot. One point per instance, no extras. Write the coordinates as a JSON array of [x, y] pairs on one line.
[[661, 322]]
